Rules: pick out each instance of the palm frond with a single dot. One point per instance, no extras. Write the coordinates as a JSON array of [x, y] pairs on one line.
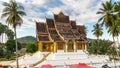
[[20, 7], [100, 12], [5, 14], [6, 4], [102, 9], [21, 13], [6, 9], [104, 6], [99, 20], [13, 12]]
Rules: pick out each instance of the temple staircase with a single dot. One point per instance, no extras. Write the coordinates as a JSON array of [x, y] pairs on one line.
[[60, 59]]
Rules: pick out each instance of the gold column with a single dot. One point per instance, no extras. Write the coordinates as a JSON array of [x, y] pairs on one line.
[[75, 49], [40, 46], [83, 47], [66, 46], [79, 46], [55, 47]]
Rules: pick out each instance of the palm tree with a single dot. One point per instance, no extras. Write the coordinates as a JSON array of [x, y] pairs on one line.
[[117, 11], [110, 13], [112, 53], [13, 12], [97, 31], [107, 12], [114, 30]]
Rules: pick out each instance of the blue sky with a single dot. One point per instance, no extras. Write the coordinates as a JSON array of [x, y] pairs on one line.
[[83, 11]]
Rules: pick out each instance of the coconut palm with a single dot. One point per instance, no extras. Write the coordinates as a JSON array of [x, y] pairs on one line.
[[117, 9], [114, 30], [97, 31], [117, 13], [112, 53], [13, 12], [107, 12], [110, 17]]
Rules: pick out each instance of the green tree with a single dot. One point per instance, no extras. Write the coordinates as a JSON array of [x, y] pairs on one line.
[[97, 31], [1, 31], [10, 34], [13, 12], [117, 24], [3, 28], [106, 10], [108, 17], [11, 46], [111, 17], [112, 52], [31, 47], [1, 52], [114, 30], [102, 50]]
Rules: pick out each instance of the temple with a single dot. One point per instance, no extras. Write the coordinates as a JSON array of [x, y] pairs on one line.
[[60, 35]]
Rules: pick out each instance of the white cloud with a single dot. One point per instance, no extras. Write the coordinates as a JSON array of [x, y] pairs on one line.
[[83, 11], [55, 10], [38, 2], [4, 0]]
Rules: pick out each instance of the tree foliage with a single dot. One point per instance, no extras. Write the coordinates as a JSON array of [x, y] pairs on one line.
[[13, 13], [11, 47], [5, 30], [93, 48], [111, 17], [31, 47], [97, 31], [10, 34]]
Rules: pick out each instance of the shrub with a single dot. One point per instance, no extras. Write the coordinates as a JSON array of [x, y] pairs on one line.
[[31, 47]]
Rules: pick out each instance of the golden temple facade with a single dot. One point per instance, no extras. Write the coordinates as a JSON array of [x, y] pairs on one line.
[[60, 34]]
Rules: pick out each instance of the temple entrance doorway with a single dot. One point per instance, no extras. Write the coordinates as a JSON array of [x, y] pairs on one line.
[[60, 47], [70, 45]]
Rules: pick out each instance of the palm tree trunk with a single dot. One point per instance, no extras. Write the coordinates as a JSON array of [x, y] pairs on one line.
[[98, 40], [117, 39], [114, 63], [114, 40], [5, 38], [16, 48], [2, 37]]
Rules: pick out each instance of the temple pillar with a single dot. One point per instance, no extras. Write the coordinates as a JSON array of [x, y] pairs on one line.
[[55, 47], [82, 46], [40, 46], [51, 47], [85, 47], [75, 50], [66, 46]]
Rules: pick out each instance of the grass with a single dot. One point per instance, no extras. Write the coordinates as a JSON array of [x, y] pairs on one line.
[[3, 59]]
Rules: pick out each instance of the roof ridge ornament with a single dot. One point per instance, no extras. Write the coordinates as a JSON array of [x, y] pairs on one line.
[[61, 13]]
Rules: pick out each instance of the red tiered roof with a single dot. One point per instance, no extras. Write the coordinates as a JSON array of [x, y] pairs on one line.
[[60, 27]]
